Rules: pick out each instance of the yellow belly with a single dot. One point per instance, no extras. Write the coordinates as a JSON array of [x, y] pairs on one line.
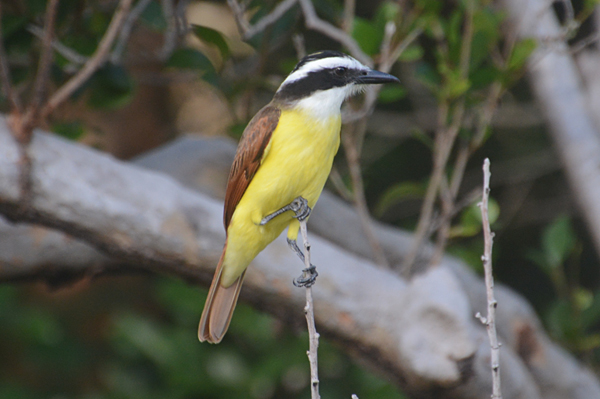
[[297, 162]]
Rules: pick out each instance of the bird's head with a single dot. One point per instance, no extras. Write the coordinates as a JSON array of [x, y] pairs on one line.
[[322, 81]]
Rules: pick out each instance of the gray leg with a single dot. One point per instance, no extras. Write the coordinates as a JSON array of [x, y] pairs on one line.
[[299, 206], [302, 211], [294, 246]]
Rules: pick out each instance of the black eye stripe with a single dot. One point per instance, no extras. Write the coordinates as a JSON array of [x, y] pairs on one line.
[[323, 79]]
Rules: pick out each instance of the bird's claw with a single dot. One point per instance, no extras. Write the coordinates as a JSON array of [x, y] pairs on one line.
[[308, 277], [300, 207]]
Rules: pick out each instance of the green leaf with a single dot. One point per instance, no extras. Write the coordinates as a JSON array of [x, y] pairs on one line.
[[153, 17], [413, 52], [588, 342], [591, 314], [98, 23], [480, 49], [429, 76], [11, 24], [558, 241], [112, 87], [213, 37], [391, 93], [386, 12], [188, 58], [484, 76], [367, 35], [470, 252], [582, 298], [471, 222], [560, 320], [145, 336], [521, 52], [538, 257], [397, 193], [430, 6], [69, 130], [588, 4], [423, 138], [456, 87]]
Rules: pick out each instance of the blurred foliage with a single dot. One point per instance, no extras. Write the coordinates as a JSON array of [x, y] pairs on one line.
[[135, 337]]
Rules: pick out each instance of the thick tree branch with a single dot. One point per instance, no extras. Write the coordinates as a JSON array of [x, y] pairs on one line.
[[419, 333]]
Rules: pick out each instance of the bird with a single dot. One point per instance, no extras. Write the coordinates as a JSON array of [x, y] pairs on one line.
[[280, 167]]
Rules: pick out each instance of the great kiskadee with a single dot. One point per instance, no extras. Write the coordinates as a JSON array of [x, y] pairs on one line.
[[285, 153]]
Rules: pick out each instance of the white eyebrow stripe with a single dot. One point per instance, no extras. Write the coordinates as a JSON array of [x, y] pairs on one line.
[[324, 63]]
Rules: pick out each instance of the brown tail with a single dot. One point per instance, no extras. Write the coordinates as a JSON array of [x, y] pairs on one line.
[[219, 306]]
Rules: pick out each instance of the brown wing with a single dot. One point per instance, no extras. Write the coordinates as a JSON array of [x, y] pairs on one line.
[[248, 157]]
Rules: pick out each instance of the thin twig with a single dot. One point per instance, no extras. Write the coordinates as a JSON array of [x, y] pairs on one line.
[[238, 13], [490, 319], [313, 22], [338, 183], [41, 79], [181, 18], [95, 61], [443, 144], [358, 197], [5, 78], [353, 137], [171, 34], [249, 31], [126, 30], [298, 41], [268, 20], [313, 335], [70, 54], [348, 22], [445, 139]]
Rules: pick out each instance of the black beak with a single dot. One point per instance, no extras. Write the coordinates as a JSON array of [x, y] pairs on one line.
[[375, 77]]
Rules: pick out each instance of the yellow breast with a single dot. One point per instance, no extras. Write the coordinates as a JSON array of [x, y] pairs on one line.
[[296, 162]]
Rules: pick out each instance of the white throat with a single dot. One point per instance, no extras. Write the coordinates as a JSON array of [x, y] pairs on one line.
[[326, 103]]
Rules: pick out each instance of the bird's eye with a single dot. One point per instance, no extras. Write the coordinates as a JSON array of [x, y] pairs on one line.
[[340, 71]]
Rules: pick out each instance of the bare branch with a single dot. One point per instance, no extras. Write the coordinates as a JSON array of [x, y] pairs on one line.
[[23, 134], [5, 79], [95, 61], [309, 311], [490, 319], [348, 21], [298, 41], [358, 191], [41, 78], [126, 30], [314, 22], [249, 31], [445, 138], [172, 32], [70, 54]]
